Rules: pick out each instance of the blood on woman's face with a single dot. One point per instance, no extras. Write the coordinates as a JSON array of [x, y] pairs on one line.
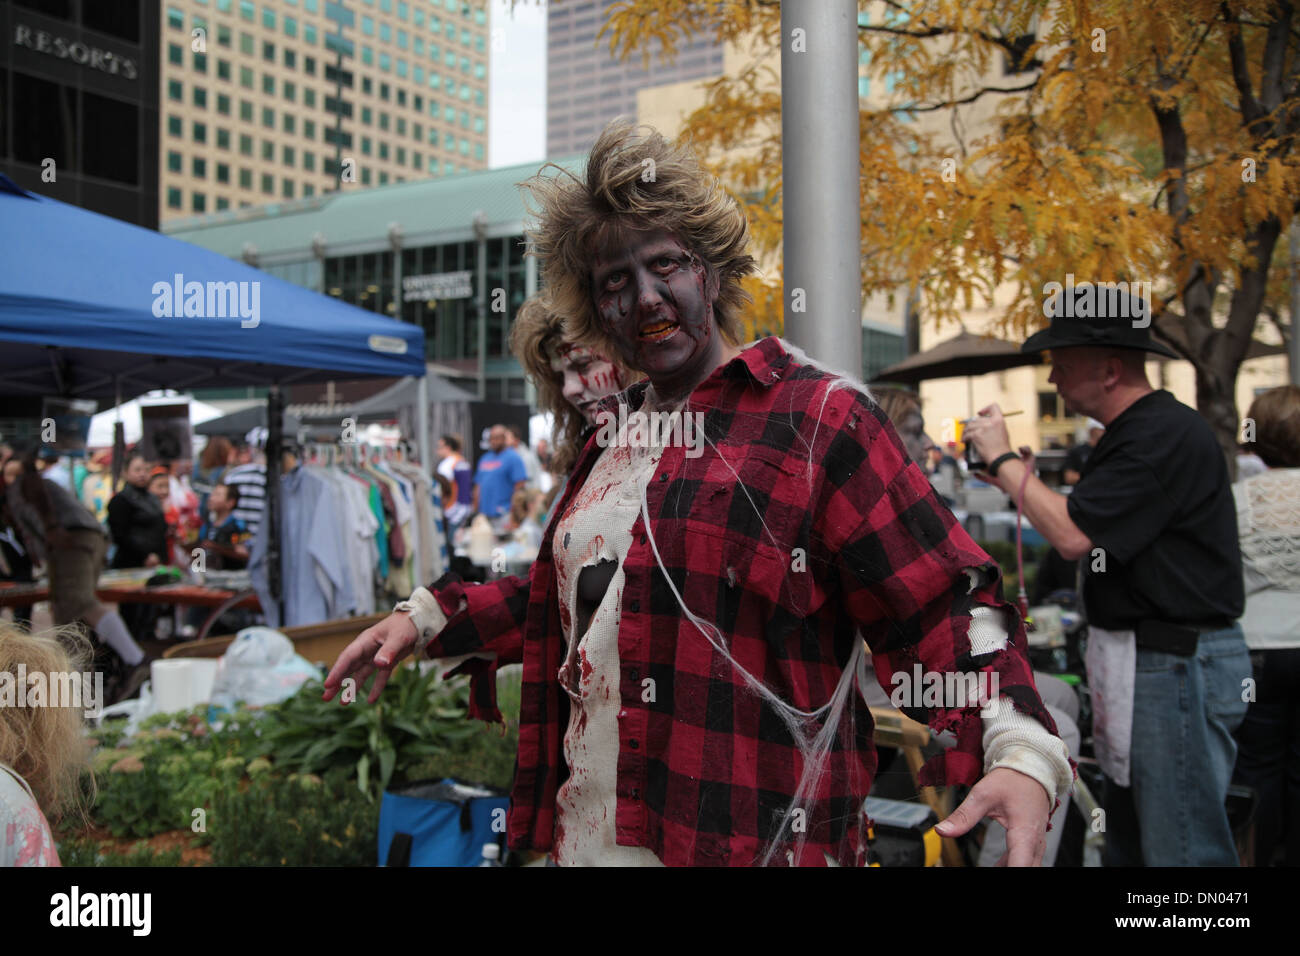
[[655, 298], [586, 377]]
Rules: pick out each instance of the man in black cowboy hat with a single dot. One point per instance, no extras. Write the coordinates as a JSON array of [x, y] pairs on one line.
[[1153, 524]]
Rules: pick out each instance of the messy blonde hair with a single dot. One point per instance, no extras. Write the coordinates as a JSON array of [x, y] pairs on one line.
[[535, 337], [635, 180], [46, 746]]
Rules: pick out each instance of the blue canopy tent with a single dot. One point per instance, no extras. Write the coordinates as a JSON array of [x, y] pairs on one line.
[[92, 307]]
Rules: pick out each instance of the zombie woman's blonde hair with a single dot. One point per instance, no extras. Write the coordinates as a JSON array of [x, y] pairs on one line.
[[535, 338], [635, 180], [45, 745]]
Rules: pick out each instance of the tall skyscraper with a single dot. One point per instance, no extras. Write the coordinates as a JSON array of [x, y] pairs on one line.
[[79, 103], [283, 99], [587, 87]]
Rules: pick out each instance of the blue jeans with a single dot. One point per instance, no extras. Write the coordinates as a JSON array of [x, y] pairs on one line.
[[1185, 710]]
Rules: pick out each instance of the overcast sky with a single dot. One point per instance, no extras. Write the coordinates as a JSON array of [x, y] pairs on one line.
[[517, 94]]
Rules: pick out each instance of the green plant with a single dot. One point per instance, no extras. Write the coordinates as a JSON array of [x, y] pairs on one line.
[[84, 851], [418, 717], [293, 820]]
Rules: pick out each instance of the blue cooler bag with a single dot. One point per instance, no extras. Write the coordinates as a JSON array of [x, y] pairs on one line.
[[440, 823]]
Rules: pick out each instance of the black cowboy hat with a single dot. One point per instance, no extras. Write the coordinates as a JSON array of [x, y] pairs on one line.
[[1096, 315]]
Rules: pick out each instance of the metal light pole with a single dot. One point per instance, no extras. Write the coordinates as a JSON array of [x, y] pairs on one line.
[[819, 143], [480, 233]]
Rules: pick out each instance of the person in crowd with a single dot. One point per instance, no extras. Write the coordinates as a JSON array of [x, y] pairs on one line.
[[501, 472], [1268, 521], [136, 520], [525, 510], [1078, 453], [224, 537], [218, 455], [516, 441], [904, 412], [43, 750], [666, 580], [1152, 520], [60, 533], [453, 467], [248, 477], [160, 487], [544, 456], [15, 560]]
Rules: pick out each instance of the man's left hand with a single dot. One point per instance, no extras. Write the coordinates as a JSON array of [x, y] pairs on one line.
[[1016, 801], [988, 433]]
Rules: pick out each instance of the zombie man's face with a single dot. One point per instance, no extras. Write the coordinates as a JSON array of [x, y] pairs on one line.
[[656, 299], [586, 377]]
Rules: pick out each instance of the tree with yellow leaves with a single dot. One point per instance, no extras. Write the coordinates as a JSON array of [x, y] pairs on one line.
[[1142, 140]]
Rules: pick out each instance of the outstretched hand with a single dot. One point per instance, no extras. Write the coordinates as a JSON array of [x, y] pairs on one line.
[[376, 650], [1015, 800]]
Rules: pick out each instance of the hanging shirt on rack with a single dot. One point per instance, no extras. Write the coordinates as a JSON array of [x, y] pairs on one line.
[[315, 577]]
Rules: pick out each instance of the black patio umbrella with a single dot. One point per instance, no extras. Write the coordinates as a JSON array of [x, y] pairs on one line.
[[962, 355]]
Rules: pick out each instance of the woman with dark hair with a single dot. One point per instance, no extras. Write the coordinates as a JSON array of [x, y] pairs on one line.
[[62, 534], [217, 455], [1268, 524], [136, 520]]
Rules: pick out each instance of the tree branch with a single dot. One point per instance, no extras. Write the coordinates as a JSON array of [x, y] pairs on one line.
[[965, 99], [1251, 111]]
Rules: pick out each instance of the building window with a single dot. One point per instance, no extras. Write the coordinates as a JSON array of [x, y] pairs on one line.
[[308, 190], [309, 33], [385, 62], [402, 11], [199, 166], [175, 54], [478, 124], [383, 120], [416, 161], [365, 145], [175, 91], [175, 19], [246, 44], [247, 10], [403, 41], [173, 198], [173, 162], [365, 176], [223, 138], [245, 144], [401, 126], [383, 178], [223, 104], [268, 84], [223, 36], [246, 77], [401, 155], [367, 117], [383, 150], [309, 6], [223, 70], [368, 26], [309, 65], [367, 87], [223, 173], [245, 179], [289, 91], [384, 91], [385, 33], [268, 17], [268, 150], [268, 184], [289, 122], [401, 97], [268, 52], [222, 204], [200, 97], [290, 27], [367, 55], [200, 133], [287, 155], [418, 19], [309, 129], [401, 68], [198, 202], [268, 117], [246, 111], [201, 62], [286, 188], [478, 151], [309, 161], [290, 59]]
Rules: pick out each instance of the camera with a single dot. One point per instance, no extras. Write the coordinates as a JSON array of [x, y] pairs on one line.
[[973, 460]]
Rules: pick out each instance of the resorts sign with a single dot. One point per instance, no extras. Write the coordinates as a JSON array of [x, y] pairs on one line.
[[42, 41]]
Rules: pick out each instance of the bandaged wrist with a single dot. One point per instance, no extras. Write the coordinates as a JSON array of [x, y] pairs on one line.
[[1020, 742], [426, 615]]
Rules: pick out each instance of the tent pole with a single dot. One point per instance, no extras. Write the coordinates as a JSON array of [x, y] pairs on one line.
[[422, 423], [274, 443]]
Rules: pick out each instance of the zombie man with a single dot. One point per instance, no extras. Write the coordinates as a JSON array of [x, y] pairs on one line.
[[693, 626]]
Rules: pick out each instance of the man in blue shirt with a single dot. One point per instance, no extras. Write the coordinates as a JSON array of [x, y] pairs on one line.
[[500, 474]]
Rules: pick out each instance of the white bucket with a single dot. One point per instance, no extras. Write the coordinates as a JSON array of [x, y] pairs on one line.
[[181, 684]]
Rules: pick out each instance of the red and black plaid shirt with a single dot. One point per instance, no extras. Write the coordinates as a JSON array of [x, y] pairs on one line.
[[830, 532]]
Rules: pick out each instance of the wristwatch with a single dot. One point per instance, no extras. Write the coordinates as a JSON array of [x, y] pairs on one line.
[[996, 463]]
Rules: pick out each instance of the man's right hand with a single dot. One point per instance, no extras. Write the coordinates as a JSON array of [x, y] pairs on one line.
[[376, 650]]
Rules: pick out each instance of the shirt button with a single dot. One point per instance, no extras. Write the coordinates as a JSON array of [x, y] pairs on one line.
[[633, 744], [643, 539], [634, 674], [635, 793], [664, 476], [636, 607]]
